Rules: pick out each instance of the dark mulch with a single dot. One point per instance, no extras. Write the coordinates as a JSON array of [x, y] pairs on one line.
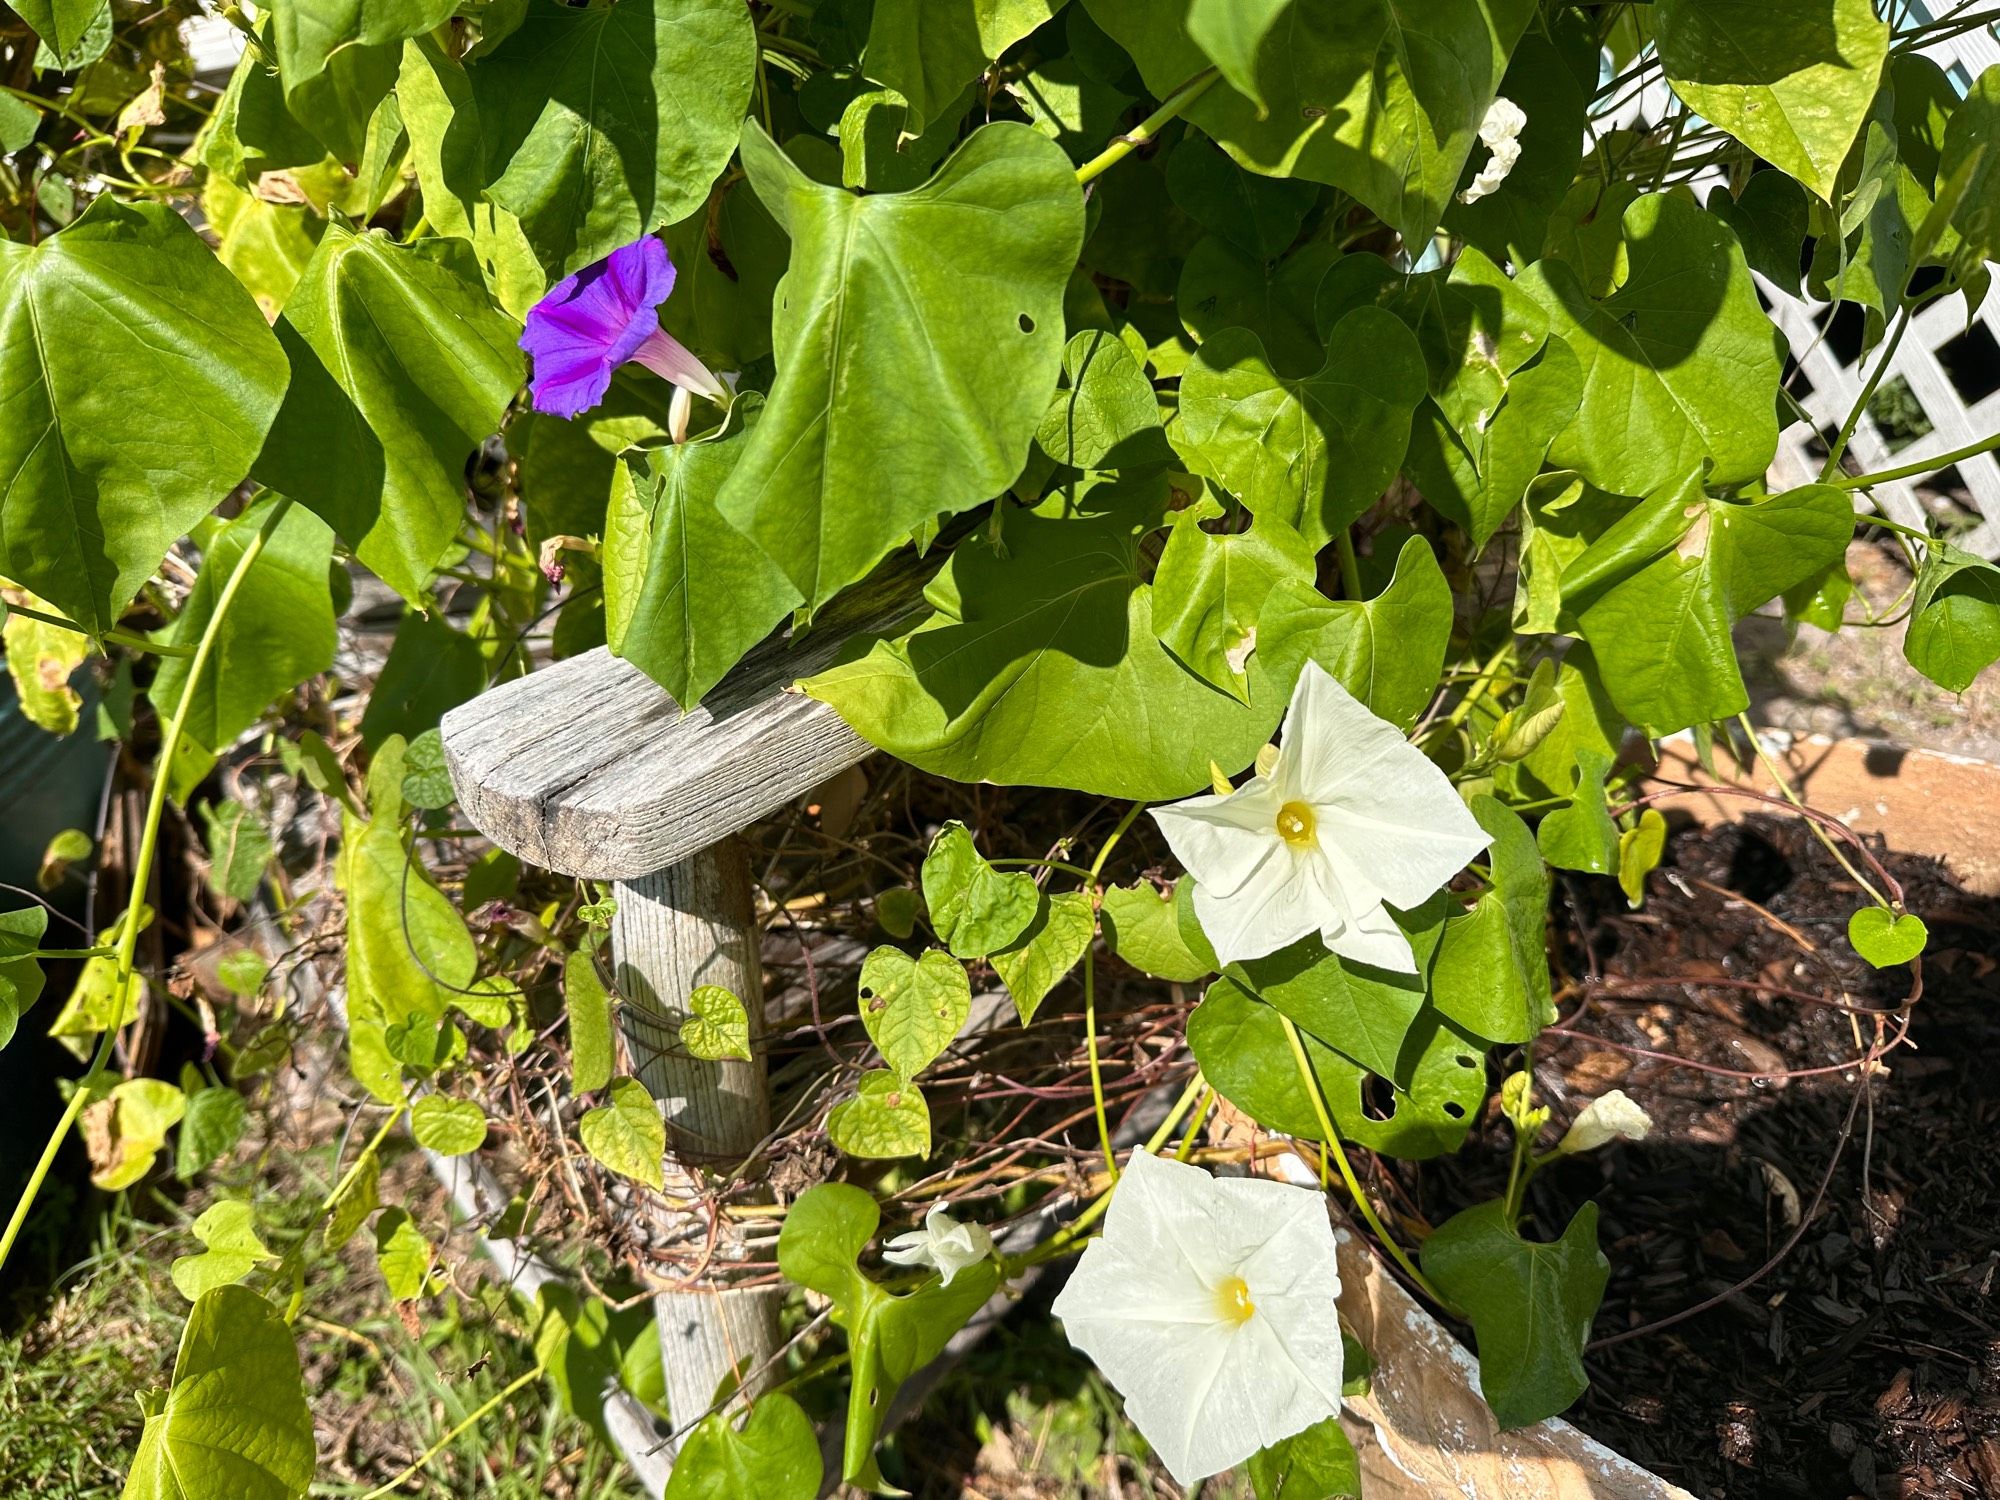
[[1867, 1361]]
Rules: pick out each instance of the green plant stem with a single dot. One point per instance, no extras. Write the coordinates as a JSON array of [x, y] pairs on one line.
[[1090, 995], [1481, 685], [1354, 1189], [142, 874], [1785, 787], [1143, 133], [1350, 566], [1924, 466], [67, 953], [1832, 465], [114, 636], [498, 1398], [1041, 864]]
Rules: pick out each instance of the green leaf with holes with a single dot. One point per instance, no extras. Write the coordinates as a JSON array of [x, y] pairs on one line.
[[235, 1420], [1791, 79], [1530, 1304], [1680, 361], [1210, 592], [1313, 452], [889, 1337], [602, 124], [228, 1233], [400, 366], [887, 1118], [137, 381], [627, 1134], [774, 1455], [913, 1007], [1355, 1008], [717, 1025], [1240, 1042], [974, 908], [1049, 949], [1581, 835], [962, 279]]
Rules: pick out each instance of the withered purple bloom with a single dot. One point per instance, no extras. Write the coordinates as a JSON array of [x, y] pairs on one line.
[[604, 316]]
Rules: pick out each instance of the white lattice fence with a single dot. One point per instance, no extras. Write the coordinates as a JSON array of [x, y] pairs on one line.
[[1958, 417]]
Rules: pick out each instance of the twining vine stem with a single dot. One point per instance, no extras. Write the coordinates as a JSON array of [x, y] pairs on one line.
[[142, 871]]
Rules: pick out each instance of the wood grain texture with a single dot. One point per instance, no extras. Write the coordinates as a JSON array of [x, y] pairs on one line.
[[675, 930], [589, 767]]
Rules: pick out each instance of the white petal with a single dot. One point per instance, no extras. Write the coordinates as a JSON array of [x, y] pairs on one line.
[[1209, 1391], [1279, 903], [1606, 1118], [1221, 840], [1372, 937], [1393, 814]]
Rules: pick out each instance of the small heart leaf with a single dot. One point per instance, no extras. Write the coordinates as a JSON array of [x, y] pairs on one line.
[[1885, 939]]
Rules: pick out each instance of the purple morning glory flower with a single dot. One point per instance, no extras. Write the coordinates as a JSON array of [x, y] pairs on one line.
[[604, 316]]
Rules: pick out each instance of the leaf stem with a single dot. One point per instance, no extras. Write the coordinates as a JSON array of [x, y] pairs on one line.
[[1785, 787], [1923, 466], [1090, 995], [142, 873], [115, 636], [1832, 465], [1354, 1189], [1143, 133], [1350, 566]]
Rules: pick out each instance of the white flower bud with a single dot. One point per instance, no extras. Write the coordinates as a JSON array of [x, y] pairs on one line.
[[943, 1242], [1603, 1119], [1500, 133]]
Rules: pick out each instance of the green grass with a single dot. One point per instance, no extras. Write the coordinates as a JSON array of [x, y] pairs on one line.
[[70, 1377]]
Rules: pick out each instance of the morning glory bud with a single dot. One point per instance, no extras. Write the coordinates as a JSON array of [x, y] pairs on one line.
[[1500, 133], [943, 1243], [1606, 1119]]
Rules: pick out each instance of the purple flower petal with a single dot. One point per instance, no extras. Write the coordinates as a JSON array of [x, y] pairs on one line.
[[592, 322]]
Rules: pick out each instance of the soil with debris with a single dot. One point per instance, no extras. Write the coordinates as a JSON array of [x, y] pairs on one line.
[[1866, 1362]]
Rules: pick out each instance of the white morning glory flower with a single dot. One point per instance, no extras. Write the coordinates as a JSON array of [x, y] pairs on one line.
[[1605, 1119], [943, 1242], [1209, 1303], [1346, 816], [1500, 133]]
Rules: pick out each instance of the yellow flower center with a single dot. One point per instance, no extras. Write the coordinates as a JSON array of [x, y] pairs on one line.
[[1232, 1301], [1295, 825]]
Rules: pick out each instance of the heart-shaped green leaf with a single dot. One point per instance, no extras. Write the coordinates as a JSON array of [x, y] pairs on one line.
[[886, 1118], [974, 908], [717, 1025], [1886, 939], [627, 1134], [913, 1007]]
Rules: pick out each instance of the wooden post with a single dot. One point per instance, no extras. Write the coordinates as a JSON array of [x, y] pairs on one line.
[[689, 925], [589, 768]]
